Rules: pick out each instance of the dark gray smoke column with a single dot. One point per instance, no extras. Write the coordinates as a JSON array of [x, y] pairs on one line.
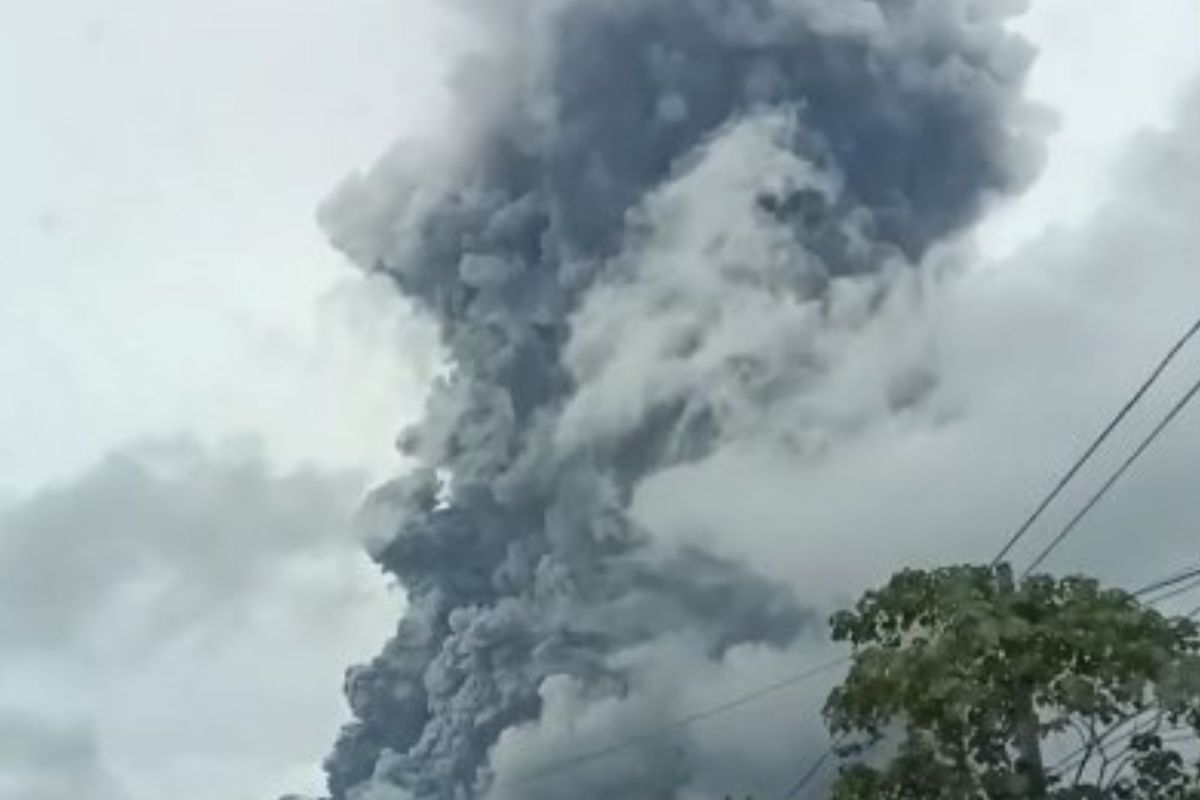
[[669, 160]]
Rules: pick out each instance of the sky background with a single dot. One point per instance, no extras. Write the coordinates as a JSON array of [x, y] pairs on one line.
[[195, 390]]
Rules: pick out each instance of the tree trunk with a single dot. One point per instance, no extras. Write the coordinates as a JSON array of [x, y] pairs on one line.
[[1029, 745], [1026, 738]]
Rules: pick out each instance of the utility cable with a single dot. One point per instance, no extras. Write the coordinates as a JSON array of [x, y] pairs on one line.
[[700, 716], [1087, 454], [1187, 587], [1108, 484], [807, 776], [1167, 582], [670, 727]]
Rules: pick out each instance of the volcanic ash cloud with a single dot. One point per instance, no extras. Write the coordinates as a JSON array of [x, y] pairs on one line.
[[654, 225]]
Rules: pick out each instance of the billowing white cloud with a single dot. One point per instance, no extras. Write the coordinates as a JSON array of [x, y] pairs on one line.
[[1023, 362]]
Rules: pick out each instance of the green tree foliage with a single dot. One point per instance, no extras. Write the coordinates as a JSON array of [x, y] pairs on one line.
[[963, 685]]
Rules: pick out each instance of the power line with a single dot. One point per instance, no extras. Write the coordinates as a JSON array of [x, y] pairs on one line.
[[1167, 582], [1087, 454], [1072, 759], [699, 716], [1194, 574], [807, 776], [1084, 752], [579, 759], [814, 768], [1187, 587], [1190, 578], [1108, 484]]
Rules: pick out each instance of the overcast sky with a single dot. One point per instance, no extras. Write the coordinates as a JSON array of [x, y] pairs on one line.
[[194, 389]]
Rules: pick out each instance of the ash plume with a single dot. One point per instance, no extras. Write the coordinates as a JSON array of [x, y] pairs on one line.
[[655, 219]]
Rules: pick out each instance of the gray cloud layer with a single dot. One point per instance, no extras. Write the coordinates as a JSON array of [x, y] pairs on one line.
[[157, 624], [660, 234], [44, 761], [188, 533]]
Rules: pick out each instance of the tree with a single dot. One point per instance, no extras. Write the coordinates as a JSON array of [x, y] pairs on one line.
[[963, 685]]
